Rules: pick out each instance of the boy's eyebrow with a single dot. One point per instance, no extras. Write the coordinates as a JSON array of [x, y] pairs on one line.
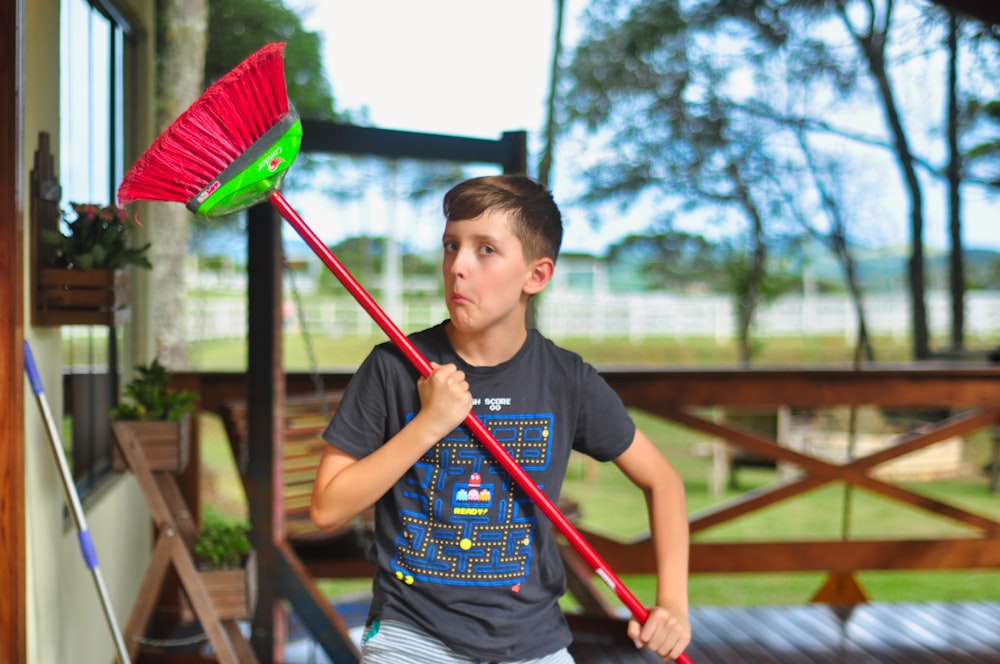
[[481, 237]]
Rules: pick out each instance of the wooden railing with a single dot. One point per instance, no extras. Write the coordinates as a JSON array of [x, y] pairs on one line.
[[967, 397]]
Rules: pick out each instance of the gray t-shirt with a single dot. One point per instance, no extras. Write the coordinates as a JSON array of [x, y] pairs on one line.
[[460, 550]]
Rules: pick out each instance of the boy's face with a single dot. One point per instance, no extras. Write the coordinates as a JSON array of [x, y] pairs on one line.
[[486, 276]]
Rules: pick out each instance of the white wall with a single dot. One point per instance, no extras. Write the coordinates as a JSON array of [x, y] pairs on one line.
[[64, 619]]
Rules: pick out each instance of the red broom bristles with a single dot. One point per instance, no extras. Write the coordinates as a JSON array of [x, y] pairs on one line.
[[213, 132]]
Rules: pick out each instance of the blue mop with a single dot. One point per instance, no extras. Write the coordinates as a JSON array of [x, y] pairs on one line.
[[73, 499]]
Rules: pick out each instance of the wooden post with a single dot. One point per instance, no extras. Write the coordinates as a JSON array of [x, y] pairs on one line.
[[13, 620], [265, 396]]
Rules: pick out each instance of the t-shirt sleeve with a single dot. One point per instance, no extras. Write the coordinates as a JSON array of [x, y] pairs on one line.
[[359, 425], [604, 427]]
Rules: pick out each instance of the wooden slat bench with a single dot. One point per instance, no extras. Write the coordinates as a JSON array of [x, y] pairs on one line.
[[341, 553]]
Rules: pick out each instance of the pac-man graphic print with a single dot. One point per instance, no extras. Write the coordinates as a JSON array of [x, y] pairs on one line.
[[466, 521]]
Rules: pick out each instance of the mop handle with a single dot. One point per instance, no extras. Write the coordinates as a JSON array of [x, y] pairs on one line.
[[474, 423], [76, 510]]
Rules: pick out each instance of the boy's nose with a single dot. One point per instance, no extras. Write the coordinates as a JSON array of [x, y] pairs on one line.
[[459, 263]]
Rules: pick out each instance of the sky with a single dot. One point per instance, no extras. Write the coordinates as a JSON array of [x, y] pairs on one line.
[[478, 68], [457, 67]]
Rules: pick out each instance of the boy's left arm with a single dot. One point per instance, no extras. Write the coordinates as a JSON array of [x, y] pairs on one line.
[[667, 630]]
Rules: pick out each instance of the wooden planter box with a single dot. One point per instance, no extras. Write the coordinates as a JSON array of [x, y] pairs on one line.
[[82, 297], [233, 591], [165, 444]]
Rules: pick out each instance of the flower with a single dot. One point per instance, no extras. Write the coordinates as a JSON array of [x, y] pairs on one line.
[[97, 238]]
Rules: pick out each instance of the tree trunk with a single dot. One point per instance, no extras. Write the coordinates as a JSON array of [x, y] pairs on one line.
[[836, 241], [864, 350], [872, 47], [548, 149], [181, 81], [756, 266], [956, 263]]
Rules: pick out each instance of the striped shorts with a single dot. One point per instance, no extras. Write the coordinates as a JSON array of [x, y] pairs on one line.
[[391, 642]]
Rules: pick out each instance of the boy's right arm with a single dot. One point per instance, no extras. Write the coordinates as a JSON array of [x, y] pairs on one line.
[[346, 486]]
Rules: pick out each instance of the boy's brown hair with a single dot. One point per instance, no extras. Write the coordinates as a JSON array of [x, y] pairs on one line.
[[536, 217]]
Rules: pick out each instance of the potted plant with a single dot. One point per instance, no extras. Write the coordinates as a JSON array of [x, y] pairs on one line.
[[84, 280], [156, 415], [226, 565]]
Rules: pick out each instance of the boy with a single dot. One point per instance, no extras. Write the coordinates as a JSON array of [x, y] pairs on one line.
[[467, 567]]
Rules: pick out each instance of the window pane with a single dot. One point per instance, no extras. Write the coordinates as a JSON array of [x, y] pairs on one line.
[[91, 162]]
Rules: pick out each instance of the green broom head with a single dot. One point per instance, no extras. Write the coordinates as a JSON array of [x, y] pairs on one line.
[[230, 149]]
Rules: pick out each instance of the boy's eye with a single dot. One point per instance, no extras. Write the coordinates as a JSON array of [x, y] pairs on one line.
[[487, 249], [450, 246]]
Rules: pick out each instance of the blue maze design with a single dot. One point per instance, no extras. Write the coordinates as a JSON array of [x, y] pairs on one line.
[[465, 523]]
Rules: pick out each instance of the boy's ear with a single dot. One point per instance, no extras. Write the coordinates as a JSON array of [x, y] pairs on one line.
[[540, 275]]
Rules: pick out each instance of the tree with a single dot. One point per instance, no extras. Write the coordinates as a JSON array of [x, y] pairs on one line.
[[181, 42], [548, 148], [869, 24], [684, 88], [237, 28], [953, 173], [663, 98], [835, 239], [983, 159], [873, 26], [670, 259], [198, 43]]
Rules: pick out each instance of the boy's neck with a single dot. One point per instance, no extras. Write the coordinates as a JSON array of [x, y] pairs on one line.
[[489, 347]]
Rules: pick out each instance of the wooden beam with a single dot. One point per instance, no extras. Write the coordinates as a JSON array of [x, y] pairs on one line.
[[13, 572], [325, 625], [834, 556], [927, 385], [658, 390], [844, 557]]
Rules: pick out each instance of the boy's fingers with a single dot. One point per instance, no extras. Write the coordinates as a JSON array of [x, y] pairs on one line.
[[659, 633], [634, 628]]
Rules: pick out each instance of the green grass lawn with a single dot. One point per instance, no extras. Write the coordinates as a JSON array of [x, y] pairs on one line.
[[348, 352], [611, 505]]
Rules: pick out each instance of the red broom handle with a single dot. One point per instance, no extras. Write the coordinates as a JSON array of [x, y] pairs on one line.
[[395, 335]]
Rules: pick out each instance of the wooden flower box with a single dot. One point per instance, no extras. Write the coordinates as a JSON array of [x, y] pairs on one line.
[[82, 297], [233, 591], [166, 445]]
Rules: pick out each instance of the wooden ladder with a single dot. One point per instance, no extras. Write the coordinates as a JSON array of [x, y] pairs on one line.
[[176, 534]]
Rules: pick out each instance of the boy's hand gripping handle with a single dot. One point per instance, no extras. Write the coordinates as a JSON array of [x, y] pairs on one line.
[[475, 425]]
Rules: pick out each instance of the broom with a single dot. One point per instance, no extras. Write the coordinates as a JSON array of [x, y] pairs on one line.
[[87, 549], [230, 150]]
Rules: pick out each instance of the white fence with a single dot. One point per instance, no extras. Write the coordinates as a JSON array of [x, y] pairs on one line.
[[635, 316]]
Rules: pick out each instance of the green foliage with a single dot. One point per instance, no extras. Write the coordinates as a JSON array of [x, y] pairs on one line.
[[150, 396], [237, 28], [670, 259], [223, 542], [97, 238], [985, 156]]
